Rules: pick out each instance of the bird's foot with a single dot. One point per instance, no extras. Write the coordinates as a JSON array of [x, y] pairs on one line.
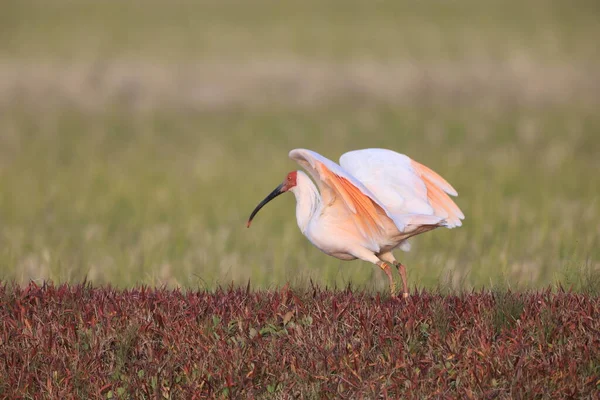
[[399, 298]]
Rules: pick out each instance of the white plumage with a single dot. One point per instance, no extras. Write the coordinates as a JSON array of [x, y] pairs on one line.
[[368, 205]]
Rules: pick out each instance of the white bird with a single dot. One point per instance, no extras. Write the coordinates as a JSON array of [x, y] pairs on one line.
[[369, 205]]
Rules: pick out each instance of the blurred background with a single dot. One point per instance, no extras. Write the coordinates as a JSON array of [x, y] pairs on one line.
[[137, 136]]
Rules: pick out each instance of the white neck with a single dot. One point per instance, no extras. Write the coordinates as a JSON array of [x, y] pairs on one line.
[[307, 200]]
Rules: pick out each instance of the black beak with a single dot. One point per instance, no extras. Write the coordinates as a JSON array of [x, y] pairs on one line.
[[278, 190]]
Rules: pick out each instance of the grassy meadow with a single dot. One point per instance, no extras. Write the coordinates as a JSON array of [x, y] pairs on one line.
[[137, 137]]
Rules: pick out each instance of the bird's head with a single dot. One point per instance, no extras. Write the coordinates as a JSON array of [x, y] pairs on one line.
[[289, 183]]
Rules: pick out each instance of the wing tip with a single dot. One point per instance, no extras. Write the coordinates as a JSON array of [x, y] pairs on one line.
[[303, 154], [425, 171], [438, 192], [451, 191]]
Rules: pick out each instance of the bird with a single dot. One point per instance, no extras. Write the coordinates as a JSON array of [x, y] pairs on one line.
[[368, 205]]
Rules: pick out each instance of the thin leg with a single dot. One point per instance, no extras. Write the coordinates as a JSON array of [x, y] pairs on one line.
[[388, 271], [402, 271]]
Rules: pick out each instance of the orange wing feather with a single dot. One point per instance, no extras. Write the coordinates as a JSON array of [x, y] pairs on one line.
[[437, 194], [365, 212]]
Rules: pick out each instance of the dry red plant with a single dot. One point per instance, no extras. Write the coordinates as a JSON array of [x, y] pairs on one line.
[[78, 341]]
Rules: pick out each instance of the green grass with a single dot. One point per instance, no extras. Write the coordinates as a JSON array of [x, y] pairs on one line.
[[135, 140], [423, 30], [164, 197]]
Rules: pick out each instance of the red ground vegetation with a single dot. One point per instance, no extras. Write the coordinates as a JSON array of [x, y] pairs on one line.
[[78, 341]]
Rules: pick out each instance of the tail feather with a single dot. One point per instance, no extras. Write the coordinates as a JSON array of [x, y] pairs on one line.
[[406, 220]]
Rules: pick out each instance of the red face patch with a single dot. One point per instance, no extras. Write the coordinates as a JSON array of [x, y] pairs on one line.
[[290, 180]]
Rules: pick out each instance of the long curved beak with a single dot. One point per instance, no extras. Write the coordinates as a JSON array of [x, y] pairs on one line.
[[278, 190]]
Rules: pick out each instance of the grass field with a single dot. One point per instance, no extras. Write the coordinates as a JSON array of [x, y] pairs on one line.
[[136, 138]]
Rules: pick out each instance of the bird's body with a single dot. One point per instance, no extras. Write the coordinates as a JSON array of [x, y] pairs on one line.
[[368, 205], [331, 228]]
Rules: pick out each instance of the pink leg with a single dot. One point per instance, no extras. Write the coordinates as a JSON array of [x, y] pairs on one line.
[[402, 271], [388, 271]]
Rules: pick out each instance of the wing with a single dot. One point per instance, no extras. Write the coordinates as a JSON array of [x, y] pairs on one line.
[[335, 183], [410, 191]]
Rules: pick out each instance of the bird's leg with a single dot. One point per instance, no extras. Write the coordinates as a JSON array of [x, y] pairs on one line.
[[402, 271], [388, 271]]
